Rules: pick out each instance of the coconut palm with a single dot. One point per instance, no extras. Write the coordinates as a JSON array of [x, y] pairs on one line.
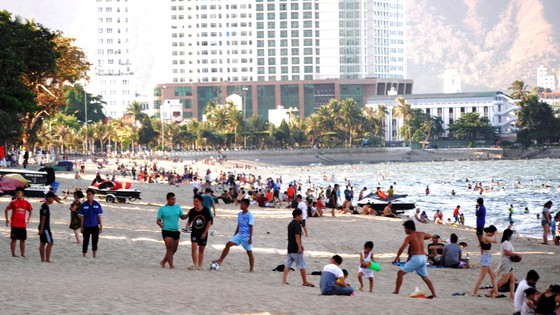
[[519, 89], [404, 110]]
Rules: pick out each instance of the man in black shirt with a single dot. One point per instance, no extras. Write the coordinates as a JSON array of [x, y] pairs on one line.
[[295, 249], [45, 234], [200, 218]]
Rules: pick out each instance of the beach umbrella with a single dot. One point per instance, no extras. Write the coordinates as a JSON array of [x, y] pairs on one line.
[[18, 178]]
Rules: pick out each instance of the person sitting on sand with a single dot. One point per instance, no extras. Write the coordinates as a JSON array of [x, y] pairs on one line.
[[435, 250], [438, 217], [368, 209], [346, 206], [388, 212], [333, 280], [451, 253], [417, 218]]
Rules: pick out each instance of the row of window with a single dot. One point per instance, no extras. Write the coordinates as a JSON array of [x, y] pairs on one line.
[[114, 82], [284, 34], [271, 25], [110, 20], [100, 41], [110, 9], [109, 30], [284, 6], [285, 69], [284, 52], [294, 77], [114, 92], [284, 16]]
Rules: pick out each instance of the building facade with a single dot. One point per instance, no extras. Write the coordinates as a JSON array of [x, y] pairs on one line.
[[280, 40], [498, 107], [545, 80], [257, 98], [112, 74]]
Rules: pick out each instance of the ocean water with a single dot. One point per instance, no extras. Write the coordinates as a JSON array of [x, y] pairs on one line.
[[539, 181]]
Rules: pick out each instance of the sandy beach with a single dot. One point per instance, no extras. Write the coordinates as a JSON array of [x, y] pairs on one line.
[[126, 276]]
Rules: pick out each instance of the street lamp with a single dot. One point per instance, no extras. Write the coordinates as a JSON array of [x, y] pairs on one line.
[[161, 116], [245, 89], [86, 120]]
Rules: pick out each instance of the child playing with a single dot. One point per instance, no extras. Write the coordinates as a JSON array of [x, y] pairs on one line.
[[529, 305], [366, 256]]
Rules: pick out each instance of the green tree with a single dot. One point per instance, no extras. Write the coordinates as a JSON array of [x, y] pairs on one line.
[[537, 121], [472, 127]]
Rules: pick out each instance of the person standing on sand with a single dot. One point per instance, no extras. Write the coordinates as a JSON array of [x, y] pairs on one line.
[[480, 218], [243, 234], [333, 199], [545, 221], [295, 249], [417, 261], [168, 220], [74, 214], [45, 233], [486, 261], [200, 218], [19, 207], [91, 223], [456, 214]]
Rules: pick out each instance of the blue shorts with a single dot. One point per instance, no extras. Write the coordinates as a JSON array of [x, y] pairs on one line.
[[486, 260], [238, 239], [416, 263]]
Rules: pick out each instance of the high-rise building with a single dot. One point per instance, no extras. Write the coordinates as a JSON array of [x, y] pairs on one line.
[[112, 75], [280, 40], [545, 80]]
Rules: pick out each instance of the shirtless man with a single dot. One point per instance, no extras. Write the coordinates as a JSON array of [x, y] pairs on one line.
[[388, 212], [417, 260]]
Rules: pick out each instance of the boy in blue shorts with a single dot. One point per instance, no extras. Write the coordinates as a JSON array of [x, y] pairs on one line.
[[417, 260], [243, 234]]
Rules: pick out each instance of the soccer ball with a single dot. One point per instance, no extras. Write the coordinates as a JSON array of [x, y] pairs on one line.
[[215, 266], [213, 233]]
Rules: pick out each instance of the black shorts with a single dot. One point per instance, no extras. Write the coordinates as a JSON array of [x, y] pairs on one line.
[[198, 240], [276, 193], [479, 230], [18, 233], [46, 237], [302, 222], [175, 235]]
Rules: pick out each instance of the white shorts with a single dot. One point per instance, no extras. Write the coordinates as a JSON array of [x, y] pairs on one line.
[[366, 272]]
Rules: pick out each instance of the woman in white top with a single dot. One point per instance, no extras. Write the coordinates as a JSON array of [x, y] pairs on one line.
[[505, 267]]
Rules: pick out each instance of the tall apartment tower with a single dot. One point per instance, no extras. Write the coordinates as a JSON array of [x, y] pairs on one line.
[[280, 40], [112, 75], [545, 80]]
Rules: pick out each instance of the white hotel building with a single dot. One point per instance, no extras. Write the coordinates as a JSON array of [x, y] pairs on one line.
[[112, 74], [498, 107], [281, 40]]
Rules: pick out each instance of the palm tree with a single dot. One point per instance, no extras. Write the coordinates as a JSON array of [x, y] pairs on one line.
[[135, 110], [519, 89], [403, 109], [351, 118]]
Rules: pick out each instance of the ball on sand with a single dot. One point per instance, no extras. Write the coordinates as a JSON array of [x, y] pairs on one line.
[[214, 266]]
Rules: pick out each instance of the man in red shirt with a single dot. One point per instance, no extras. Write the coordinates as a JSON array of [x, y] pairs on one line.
[[18, 223], [456, 215]]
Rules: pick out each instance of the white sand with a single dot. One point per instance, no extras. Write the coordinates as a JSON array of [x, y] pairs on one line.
[[126, 277]]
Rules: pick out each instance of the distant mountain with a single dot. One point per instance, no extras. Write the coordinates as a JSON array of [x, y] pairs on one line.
[[490, 42]]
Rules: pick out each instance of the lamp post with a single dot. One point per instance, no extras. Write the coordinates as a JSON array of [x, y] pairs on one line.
[[86, 120], [161, 116], [244, 89]]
